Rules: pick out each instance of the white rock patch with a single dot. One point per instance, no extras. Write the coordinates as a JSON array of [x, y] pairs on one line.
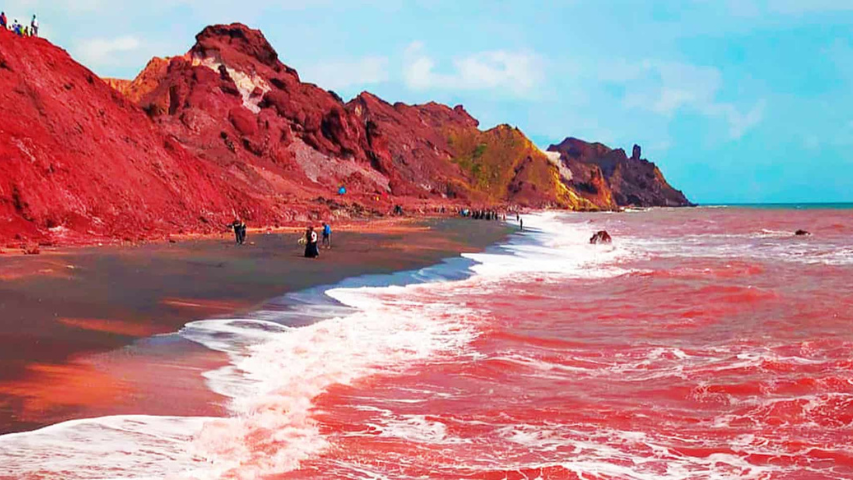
[[554, 158], [246, 83]]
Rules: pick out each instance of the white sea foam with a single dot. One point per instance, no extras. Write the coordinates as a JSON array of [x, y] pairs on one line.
[[560, 249], [603, 452], [276, 371]]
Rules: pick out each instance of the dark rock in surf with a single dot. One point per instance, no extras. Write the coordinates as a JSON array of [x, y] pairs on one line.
[[601, 237], [802, 233]]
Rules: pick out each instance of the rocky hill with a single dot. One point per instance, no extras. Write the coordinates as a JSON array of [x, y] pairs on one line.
[[440, 150], [77, 159], [610, 178], [227, 129]]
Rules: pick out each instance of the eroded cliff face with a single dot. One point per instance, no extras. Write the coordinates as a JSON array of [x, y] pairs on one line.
[[608, 176], [231, 101], [438, 150], [226, 129], [77, 159]]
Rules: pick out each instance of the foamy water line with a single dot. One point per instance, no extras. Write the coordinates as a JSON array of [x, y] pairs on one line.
[[281, 360]]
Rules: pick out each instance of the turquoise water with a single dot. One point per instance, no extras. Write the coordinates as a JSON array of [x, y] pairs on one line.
[[787, 206]]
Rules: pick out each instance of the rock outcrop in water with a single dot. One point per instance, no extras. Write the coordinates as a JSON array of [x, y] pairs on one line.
[[227, 129], [601, 237]]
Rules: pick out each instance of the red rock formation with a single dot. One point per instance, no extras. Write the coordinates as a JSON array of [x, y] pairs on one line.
[[630, 181], [411, 144], [78, 158], [435, 149], [227, 129], [230, 101]]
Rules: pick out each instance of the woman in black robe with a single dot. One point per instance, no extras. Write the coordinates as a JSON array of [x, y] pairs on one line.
[[311, 248]]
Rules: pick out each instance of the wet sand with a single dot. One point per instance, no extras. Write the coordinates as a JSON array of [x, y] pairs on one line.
[[72, 322]]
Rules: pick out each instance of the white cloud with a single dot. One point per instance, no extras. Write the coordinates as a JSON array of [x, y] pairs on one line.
[[739, 122], [101, 51], [347, 73], [667, 88], [517, 72]]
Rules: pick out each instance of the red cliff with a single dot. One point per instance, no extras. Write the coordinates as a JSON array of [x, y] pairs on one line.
[[602, 173], [438, 150], [227, 129], [78, 159], [230, 101]]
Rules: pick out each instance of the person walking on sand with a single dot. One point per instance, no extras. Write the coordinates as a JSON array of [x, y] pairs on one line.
[[327, 235], [311, 250], [239, 227], [34, 27]]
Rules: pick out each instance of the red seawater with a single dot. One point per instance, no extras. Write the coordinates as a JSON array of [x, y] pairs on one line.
[[703, 344], [708, 343]]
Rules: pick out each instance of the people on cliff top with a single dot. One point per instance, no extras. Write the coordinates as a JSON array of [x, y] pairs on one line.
[[311, 249], [327, 235], [239, 227], [31, 30]]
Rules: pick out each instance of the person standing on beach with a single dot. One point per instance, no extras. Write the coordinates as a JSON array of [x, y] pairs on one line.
[[327, 235], [239, 227], [520, 224], [311, 250]]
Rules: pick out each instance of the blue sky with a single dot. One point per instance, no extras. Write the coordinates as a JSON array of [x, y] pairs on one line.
[[736, 100]]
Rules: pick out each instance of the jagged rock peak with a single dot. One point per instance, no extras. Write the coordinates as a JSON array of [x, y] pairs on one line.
[[236, 37]]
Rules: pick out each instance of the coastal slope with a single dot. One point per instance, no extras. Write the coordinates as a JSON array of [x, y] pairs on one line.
[[226, 129], [78, 159]]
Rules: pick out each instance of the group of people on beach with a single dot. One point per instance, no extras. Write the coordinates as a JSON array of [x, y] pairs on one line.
[[490, 215], [20, 30], [483, 215], [311, 239]]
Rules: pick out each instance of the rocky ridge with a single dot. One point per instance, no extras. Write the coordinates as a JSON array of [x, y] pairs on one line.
[[227, 129]]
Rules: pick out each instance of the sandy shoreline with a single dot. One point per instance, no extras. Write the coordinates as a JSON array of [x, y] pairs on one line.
[[66, 315]]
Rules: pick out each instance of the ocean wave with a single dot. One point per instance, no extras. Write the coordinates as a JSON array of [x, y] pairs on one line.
[[279, 365]]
